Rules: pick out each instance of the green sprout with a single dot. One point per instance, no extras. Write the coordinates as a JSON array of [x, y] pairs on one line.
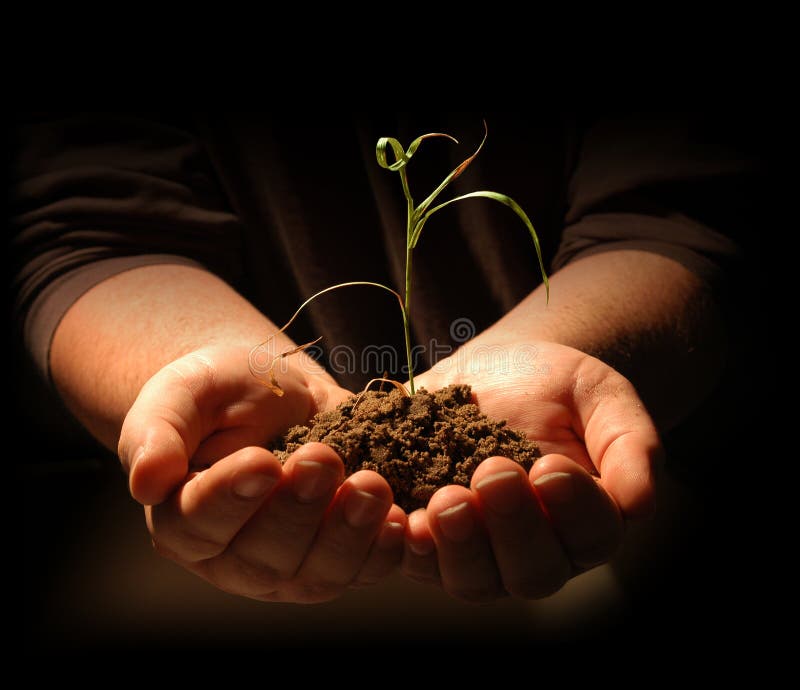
[[416, 218]]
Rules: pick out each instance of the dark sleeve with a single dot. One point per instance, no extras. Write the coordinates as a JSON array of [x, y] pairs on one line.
[[682, 187], [94, 195]]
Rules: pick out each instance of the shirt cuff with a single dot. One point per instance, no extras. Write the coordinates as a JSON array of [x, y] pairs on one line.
[[54, 301], [701, 250]]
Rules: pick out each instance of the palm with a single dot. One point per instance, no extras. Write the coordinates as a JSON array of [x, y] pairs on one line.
[[541, 527], [239, 412], [242, 519], [206, 406], [551, 392]]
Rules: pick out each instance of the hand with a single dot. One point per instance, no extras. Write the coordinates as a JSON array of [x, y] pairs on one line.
[[527, 534], [223, 507]]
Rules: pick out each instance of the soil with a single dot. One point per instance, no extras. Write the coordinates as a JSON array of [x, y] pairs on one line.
[[418, 444]]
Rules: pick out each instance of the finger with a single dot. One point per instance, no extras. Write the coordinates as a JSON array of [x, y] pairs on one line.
[[628, 472], [529, 557], [352, 522], [420, 561], [386, 550], [164, 427], [200, 519], [466, 561], [273, 544], [621, 439], [584, 517], [184, 410]]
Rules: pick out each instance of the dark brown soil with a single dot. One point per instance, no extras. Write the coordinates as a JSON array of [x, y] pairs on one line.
[[419, 444]]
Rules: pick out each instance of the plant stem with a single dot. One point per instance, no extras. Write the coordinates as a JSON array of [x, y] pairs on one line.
[[418, 216], [409, 247], [406, 322]]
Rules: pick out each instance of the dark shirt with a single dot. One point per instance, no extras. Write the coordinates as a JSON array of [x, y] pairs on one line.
[[282, 207]]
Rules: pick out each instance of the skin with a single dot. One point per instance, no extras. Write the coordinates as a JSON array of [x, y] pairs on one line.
[[526, 535], [173, 393], [152, 362]]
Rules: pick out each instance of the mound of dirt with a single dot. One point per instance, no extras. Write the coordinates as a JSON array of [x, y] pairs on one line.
[[418, 444]]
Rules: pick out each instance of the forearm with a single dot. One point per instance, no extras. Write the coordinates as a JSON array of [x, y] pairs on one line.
[[122, 331], [644, 314]]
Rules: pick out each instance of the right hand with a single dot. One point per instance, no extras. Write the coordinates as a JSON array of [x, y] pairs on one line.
[[223, 507]]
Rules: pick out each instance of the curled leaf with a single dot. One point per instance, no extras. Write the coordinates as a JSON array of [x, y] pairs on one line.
[[402, 157], [459, 169]]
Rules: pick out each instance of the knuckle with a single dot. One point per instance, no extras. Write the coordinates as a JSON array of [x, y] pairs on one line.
[[264, 586], [160, 549], [272, 596], [598, 548], [187, 546], [196, 371], [420, 570], [592, 555], [373, 572], [318, 592], [531, 588], [470, 595], [425, 580], [339, 548], [258, 574], [538, 585], [246, 578], [176, 535], [295, 524]]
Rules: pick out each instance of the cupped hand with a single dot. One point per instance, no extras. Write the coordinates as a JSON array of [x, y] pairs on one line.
[[225, 508], [526, 534]]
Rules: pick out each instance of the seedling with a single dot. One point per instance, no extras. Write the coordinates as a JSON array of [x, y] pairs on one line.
[[262, 365]]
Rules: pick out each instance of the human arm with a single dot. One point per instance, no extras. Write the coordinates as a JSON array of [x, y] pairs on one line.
[[164, 348], [644, 314], [119, 227], [644, 272], [651, 318]]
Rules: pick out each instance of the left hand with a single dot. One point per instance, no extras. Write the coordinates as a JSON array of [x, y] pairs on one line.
[[221, 506], [526, 534]]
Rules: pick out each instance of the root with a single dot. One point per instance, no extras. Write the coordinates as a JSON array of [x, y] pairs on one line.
[[396, 384]]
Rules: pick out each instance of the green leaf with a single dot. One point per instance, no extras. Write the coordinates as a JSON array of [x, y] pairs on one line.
[[415, 144], [503, 199], [452, 176], [402, 157]]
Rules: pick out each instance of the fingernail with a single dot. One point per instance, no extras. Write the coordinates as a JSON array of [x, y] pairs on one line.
[[556, 487], [362, 508], [456, 523], [391, 536], [136, 457], [420, 548], [501, 491], [312, 480], [253, 485]]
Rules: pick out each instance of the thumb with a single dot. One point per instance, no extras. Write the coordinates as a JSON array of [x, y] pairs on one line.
[[163, 429]]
